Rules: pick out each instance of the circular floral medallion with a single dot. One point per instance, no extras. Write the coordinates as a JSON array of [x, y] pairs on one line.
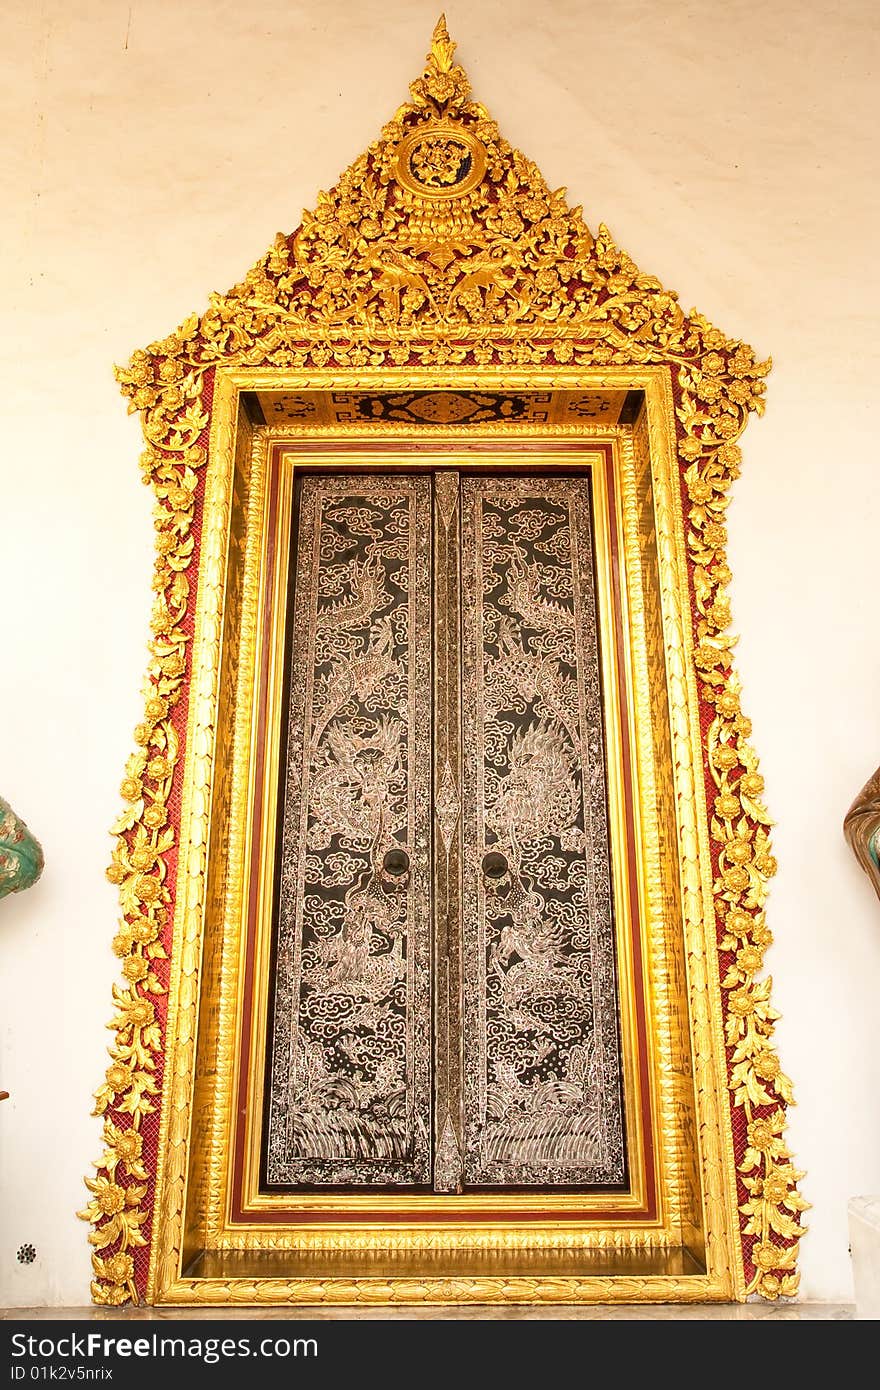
[[441, 161]]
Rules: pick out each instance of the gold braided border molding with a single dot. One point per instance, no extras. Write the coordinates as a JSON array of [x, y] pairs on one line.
[[434, 1291], [395, 277]]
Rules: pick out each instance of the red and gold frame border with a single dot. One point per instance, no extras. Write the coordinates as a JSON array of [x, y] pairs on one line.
[[379, 279]]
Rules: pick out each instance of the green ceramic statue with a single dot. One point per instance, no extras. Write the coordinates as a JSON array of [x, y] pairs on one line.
[[21, 858]]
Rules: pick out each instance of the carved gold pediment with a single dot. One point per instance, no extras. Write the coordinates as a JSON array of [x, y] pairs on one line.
[[444, 245]]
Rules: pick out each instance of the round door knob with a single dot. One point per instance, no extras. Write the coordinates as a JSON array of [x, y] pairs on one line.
[[494, 864], [396, 862]]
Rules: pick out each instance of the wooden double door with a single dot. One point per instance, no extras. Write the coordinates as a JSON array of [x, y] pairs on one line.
[[444, 1009]]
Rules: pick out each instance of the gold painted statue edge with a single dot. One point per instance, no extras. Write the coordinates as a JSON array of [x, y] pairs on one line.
[[862, 829]]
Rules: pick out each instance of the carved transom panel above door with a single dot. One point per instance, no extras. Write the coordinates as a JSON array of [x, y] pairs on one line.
[[442, 408]]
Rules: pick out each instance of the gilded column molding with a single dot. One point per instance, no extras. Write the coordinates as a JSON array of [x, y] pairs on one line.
[[441, 249]]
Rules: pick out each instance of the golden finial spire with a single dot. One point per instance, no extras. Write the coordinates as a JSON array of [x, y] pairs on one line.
[[442, 46], [443, 86]]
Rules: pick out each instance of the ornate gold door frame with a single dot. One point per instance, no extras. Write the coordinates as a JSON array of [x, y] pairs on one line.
[[442, 264], [672, 1233]]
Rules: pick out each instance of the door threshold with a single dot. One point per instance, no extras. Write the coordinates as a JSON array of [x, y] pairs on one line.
[[444, 1276]]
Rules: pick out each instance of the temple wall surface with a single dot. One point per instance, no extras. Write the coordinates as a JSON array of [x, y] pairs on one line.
[[153, 151]]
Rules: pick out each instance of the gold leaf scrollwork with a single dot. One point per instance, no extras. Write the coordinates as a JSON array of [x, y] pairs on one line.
[[117, 1208], [716, 395]]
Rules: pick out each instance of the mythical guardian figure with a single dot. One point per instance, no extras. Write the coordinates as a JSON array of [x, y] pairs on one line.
[[21, 857], [862, 828]]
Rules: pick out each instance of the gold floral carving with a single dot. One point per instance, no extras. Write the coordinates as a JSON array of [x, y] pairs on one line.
[[742, 858], [442, 247], [140, 868]]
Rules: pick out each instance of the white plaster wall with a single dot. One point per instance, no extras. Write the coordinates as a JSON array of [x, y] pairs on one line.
[[152, 150]]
